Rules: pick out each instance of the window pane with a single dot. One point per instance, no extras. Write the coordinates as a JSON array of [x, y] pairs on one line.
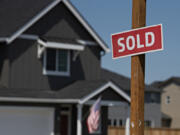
[[109, 122], [51, 59], [62, 60], [147, 123], [120, 122], [114, 123]]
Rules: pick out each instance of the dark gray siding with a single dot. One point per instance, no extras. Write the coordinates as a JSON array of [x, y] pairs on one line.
[[4, 66], [91, 63], [60, 23], [26, 68]]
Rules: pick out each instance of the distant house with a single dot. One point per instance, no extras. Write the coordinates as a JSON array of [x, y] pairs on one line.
[[118, 114], [170, 101], [50, 70]]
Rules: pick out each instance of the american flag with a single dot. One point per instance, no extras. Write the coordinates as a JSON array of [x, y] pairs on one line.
[[93, 118]]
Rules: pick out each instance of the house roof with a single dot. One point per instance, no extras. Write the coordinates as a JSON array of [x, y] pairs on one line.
[[122, 81], [162, 84], [15, 14], [165, 116], [77, 92], [18, 17]]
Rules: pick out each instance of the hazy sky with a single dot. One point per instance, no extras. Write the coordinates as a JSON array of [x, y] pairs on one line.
[[112, 16]]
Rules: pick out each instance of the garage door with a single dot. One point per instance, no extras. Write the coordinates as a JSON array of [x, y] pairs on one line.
[[26, 121]]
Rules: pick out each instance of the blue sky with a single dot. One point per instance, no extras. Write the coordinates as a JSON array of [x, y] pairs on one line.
[[112, 16]]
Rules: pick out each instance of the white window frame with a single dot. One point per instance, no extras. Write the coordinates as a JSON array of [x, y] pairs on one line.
[[56, 73]]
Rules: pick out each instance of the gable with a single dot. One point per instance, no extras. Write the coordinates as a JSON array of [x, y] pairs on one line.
[[15, 14], [46, 10], [63, 25], [172, 87], [110, 95]]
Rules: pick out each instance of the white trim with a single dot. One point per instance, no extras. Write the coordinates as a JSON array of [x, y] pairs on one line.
[[127, 126], [52, 113], [64, 46], [86, 42], [29, 36], [41, 42], [106, 103], [36, 37], [56, 72], [40, 50], [79, 119], [102, 88], [3, 39], [33, 20], [39, 100], [85, 24], [57, 45]]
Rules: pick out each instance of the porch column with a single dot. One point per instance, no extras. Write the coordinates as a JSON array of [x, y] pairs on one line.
[[79, 119], [127, 130]]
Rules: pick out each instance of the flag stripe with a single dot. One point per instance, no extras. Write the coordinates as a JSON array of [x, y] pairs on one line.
[[93, 118]]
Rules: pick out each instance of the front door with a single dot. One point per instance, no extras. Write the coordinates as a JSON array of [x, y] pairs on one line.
[[65, 120], [64, 124]]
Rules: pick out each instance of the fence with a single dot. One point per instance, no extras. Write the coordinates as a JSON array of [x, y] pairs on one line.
[[148, 131]]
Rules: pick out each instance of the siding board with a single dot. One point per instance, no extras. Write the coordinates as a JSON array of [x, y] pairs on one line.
[[27, 69]]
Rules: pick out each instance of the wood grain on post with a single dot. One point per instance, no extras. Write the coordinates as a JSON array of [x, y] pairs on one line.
[[137, 73]]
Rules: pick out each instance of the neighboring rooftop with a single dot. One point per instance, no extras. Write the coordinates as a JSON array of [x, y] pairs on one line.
[[122, 81], [16, 13], [165, 116], [161, 84]]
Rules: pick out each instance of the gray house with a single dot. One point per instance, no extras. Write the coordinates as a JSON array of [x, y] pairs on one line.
[[50, 70], [117, 115]]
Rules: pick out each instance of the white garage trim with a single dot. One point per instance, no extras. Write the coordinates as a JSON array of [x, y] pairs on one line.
[[37, 100]]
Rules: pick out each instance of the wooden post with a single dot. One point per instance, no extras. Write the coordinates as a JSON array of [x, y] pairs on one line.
[[137, 73]]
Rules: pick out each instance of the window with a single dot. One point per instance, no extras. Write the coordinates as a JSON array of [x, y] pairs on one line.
[[109, 122], [168, 99], [147, 123], [56, 62], [153, 97], [120, 122], [114, 122]]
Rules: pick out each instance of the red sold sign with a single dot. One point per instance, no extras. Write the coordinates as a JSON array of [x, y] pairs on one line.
[[137, 41]]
